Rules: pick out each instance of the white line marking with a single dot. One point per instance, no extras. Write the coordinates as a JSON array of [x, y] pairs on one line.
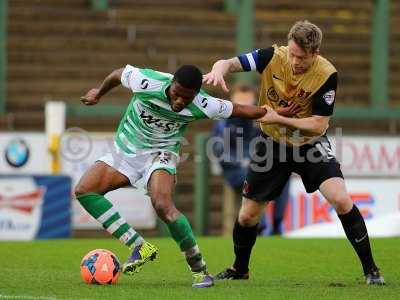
[[26, 297]]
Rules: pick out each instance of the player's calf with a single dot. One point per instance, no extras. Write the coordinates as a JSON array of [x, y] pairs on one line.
[[356, 232], [104, 212], [182, 233], [161, 187]]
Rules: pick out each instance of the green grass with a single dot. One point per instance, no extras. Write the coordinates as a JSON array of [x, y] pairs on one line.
[[280, 269]]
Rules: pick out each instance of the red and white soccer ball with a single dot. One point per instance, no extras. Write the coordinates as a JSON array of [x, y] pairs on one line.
[[100, 266]]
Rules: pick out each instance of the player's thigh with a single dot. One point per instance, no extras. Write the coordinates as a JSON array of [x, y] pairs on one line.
[[318, 164], [335, 192], [161, 184], [101, 178], [250, 211], [267, 173], [161, 187], [160, 177], [266, 185], [264, 182]]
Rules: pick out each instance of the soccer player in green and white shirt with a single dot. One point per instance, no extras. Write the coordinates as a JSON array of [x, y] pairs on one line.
[[147, 147]]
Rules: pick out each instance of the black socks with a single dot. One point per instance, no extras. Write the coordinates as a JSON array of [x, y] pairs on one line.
[[353, 223], [356, 232], [244, 239]]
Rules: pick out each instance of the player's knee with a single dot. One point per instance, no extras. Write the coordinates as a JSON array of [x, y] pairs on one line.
[[248, 218], [80, 190], [164, 207], [168, 213], [342, 203]]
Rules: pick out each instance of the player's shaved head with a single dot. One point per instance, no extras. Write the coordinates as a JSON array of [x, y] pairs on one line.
[[189, 77], [185, 86]]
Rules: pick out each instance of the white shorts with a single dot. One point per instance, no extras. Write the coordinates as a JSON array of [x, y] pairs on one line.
[[139, 167]]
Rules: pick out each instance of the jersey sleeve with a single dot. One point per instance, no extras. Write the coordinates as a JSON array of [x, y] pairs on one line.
[[129, 77], [212, 108], [143, 80], [324, 98], [256, 60]]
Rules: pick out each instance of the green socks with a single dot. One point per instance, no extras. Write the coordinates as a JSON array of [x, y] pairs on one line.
[[102, 210], [182, 233]]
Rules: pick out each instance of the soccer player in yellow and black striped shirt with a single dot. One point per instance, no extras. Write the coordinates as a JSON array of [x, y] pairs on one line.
[[295, 73]]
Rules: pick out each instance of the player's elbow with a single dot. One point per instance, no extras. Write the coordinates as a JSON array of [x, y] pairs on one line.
[[319, 130], [322, 129], [321, 125]]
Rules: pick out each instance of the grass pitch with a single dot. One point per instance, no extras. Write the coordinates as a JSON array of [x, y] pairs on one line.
[[280, 269]]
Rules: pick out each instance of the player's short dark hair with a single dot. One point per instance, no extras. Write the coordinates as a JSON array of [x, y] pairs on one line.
[[189, 76]]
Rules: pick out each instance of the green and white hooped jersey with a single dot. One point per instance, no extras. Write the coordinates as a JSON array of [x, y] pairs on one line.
[[149, 123]]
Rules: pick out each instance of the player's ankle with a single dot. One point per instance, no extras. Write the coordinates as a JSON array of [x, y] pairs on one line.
[[240, 271]]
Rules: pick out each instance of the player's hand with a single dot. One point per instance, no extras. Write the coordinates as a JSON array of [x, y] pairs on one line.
[[270, 117], [216, 76], [289, 111], [91, 98]]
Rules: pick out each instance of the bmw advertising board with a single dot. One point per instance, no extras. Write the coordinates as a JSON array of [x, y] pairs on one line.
[[23, 153]]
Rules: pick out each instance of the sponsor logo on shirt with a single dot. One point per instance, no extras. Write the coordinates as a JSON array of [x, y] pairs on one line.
[[144, 84], [204, 103], [155, 122]]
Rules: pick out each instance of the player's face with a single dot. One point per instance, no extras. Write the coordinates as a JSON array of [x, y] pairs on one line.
[[180, 96], [299, 59]]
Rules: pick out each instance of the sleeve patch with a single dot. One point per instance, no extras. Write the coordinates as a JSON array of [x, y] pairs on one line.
[[329, 97], [138, 80], [222, 107], [213, 108]]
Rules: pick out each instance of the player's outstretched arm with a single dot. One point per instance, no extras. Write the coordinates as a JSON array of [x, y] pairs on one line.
[[93, 96], [220, 69], [314, 124], [247, 111], [256, 112]]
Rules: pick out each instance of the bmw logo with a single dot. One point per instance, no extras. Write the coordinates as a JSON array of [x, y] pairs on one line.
[[17, 153]]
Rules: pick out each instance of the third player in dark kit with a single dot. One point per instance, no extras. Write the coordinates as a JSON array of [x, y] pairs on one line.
[[295, 73]]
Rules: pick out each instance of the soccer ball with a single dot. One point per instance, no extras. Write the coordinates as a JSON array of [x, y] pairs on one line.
[[100, 266]]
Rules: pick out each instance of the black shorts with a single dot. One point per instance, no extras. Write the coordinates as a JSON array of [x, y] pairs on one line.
[[273, 163]]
